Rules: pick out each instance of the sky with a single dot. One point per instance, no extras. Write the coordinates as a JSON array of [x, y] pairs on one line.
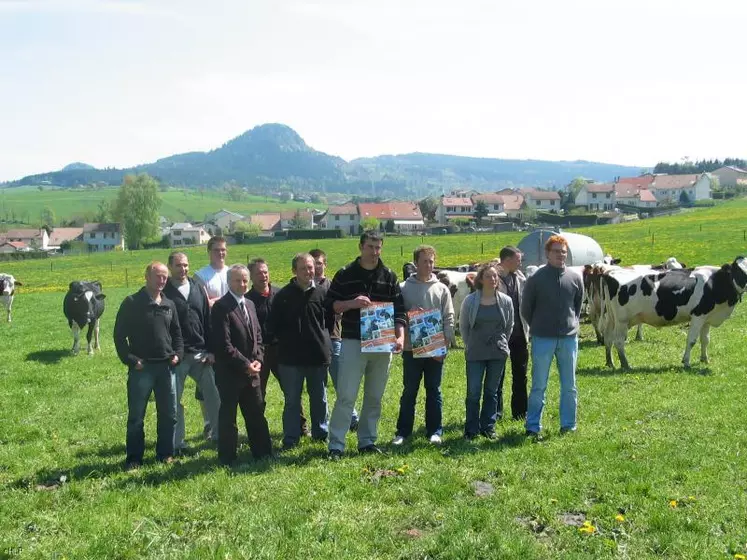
[[115, 83]]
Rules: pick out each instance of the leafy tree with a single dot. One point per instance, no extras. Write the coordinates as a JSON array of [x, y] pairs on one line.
[[573, 189], [370, 223], [684, 199], [104, 212], [137, 209], [480, 212], [428, 207], [243, 230], [48, 217], [300, 222]]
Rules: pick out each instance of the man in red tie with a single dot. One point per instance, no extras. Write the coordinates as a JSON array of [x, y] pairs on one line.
[[239, 354]]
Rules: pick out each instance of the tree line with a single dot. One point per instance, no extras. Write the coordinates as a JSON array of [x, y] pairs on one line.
[[700, 166]]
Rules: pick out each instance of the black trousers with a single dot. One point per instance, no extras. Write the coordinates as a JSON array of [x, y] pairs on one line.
[[249, 400], [517, 345]]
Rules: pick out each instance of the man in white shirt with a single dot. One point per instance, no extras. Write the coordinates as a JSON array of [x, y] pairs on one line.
[[213, 278]]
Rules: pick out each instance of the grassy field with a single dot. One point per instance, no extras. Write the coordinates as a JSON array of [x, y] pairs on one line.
[[656, 470], [28, 202]]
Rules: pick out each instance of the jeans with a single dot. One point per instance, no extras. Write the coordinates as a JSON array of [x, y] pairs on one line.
[[159, 379], [373, 369], [204, 378], [413, 370], [491, 371], [565, 351], [292, 380], [334, 368]]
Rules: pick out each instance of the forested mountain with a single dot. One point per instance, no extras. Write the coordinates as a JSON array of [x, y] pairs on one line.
[[274, 155]]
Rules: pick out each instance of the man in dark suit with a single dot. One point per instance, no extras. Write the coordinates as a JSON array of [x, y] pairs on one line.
[[237, 346]]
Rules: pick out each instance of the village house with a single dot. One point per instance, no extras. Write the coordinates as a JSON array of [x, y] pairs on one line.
[[633, 195], [224, 219], [730, 176], [33, 238], [494, 203], [670, 188], [451, 207], [184, 233], [103, 237], [291, 219], [62, 235], [597, 196], [13, 246], [268, 222], [542, 200], [405, 216], [343, 217]]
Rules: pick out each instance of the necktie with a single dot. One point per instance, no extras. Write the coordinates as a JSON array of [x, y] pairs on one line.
[[244, 312]]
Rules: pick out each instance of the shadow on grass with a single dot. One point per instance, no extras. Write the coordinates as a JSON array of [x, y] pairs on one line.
[[604, 371], [590, 343], [47, 356]]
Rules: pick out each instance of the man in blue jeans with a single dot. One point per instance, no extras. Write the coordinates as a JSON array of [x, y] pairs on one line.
[[320, 277], [301, 324], [551, 306], [149, 342], [422, 290]]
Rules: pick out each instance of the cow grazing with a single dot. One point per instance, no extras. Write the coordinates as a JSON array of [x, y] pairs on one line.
[[84, 305], [7, 291], [704, 296], [460, 285]]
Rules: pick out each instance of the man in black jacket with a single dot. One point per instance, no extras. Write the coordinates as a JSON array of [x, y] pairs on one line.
[[360, 284], [262, 295], [194, 319], [149, 342], [298, 321]]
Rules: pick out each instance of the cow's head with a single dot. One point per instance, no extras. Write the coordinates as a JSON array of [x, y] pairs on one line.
[[8, 284], [83, 297], [408, 269], [672, 264], [739, 274], [610, 260], [444, 279]]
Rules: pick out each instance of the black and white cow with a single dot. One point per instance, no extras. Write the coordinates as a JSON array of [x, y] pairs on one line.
[[705, 296], [7, 291], [84, 305]]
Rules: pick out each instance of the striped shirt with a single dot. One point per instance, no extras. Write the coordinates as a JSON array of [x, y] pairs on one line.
[[379, 284]]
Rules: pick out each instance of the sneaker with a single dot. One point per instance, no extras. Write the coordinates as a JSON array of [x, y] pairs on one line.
[[564, 431], [436, 439], [398, 440], [370, 449], [533, 435], [489, 434], [334, 455]]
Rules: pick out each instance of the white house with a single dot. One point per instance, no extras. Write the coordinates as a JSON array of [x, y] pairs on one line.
[[224, 219], [289, 219], [343, 217], [730, 176], [31, 237], [494, 202], [597, 196], [103, 237], [450, 207], [542, 200], [405, 216], [670, 188], [182, 234]]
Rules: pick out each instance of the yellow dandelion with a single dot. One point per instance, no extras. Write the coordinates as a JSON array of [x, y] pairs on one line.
[[587, 529], [553, 501], [740, 557], [673, 503], [619, 518]]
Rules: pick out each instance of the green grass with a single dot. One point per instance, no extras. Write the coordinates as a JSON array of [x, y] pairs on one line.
[[646, 438], [28, 202]]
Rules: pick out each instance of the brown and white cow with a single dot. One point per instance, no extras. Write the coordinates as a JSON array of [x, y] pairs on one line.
[[704, 296], [7, 292]]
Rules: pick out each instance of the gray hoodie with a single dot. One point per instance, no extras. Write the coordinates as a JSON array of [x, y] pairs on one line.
[[430, 294], [551, 302]]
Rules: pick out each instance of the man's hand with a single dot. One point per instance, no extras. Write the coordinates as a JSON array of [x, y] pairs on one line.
[[208, 359], [139, 365], [174, 360], [254, 367], [399, 341]]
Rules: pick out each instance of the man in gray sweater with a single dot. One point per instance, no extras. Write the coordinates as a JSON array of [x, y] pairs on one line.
[[551, 306]]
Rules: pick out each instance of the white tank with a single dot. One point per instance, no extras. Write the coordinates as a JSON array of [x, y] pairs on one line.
[[582, 249]]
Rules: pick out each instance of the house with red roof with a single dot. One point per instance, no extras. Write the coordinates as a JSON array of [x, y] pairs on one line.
[[405, 216], [451, 207]]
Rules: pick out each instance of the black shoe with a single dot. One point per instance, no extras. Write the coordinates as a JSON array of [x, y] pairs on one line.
[[288, 445], [470, 437], [133, 465], [334, 455], [354, 425], [489, 434], [370, 449], [533, 435]]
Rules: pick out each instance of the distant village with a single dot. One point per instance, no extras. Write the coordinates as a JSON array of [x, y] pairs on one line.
[[504, 209]]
